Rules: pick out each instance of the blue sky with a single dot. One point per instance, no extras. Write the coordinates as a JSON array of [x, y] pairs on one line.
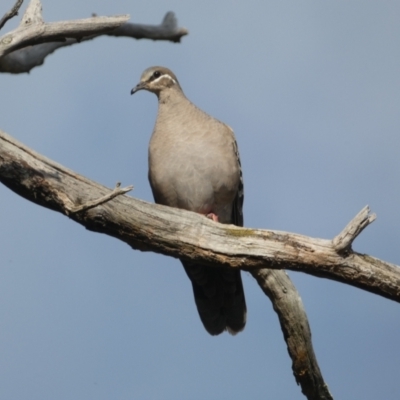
[[312, 90]]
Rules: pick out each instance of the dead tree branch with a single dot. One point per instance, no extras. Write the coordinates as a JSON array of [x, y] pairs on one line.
[[186, 235], [167, 30], [166, 230], [33, 30], [189, 236], [33, 40], [12, 13], [296, 331]]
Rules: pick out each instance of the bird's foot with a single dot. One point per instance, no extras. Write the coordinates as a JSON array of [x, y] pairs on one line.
[[212, 216]]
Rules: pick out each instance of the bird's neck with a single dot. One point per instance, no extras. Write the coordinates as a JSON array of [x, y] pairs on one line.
[[171, 96], [173, 106]]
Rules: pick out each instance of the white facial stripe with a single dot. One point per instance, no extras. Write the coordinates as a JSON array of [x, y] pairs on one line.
[[165, 76]]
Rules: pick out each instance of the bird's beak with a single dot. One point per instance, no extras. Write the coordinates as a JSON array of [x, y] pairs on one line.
[[139, 86]]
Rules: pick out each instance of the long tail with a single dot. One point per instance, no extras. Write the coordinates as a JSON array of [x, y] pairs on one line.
[[219, 297]]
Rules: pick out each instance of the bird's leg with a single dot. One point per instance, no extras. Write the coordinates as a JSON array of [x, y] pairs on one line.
[[212, 216]]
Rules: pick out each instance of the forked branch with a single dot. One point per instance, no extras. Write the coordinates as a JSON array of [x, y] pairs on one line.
[[33, 30], [343, 241], [169, 231], [33, 40], [187, 235]]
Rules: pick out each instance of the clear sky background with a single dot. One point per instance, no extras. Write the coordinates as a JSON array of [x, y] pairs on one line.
[[312, 90]]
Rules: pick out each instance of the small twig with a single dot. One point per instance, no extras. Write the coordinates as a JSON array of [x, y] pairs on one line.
[[33, 14], [94, 203], [12, 13], [343, 241]]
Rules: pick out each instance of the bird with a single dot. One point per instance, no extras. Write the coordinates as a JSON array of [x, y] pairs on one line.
[[194, 165]]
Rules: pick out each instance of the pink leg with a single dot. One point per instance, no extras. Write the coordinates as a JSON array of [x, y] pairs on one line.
[[212, 216]]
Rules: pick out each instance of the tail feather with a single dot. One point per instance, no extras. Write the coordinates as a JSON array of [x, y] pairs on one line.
[[219, 297]]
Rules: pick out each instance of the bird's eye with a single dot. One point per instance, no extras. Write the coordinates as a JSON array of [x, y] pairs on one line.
[[156, 74]]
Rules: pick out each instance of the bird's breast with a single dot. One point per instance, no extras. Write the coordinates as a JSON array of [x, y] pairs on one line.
[[193, 171]]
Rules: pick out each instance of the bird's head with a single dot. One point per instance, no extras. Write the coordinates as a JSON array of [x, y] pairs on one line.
[[156, 79]]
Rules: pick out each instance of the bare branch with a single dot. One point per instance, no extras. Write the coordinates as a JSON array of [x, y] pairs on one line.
[[33, 30], [343, 241], [12, 13], [186, 235], [56, 31], [173, 232], [27, 46], [296, 331], [167, 30]]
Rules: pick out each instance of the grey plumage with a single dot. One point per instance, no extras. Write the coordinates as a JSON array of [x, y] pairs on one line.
[[194, 165]]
